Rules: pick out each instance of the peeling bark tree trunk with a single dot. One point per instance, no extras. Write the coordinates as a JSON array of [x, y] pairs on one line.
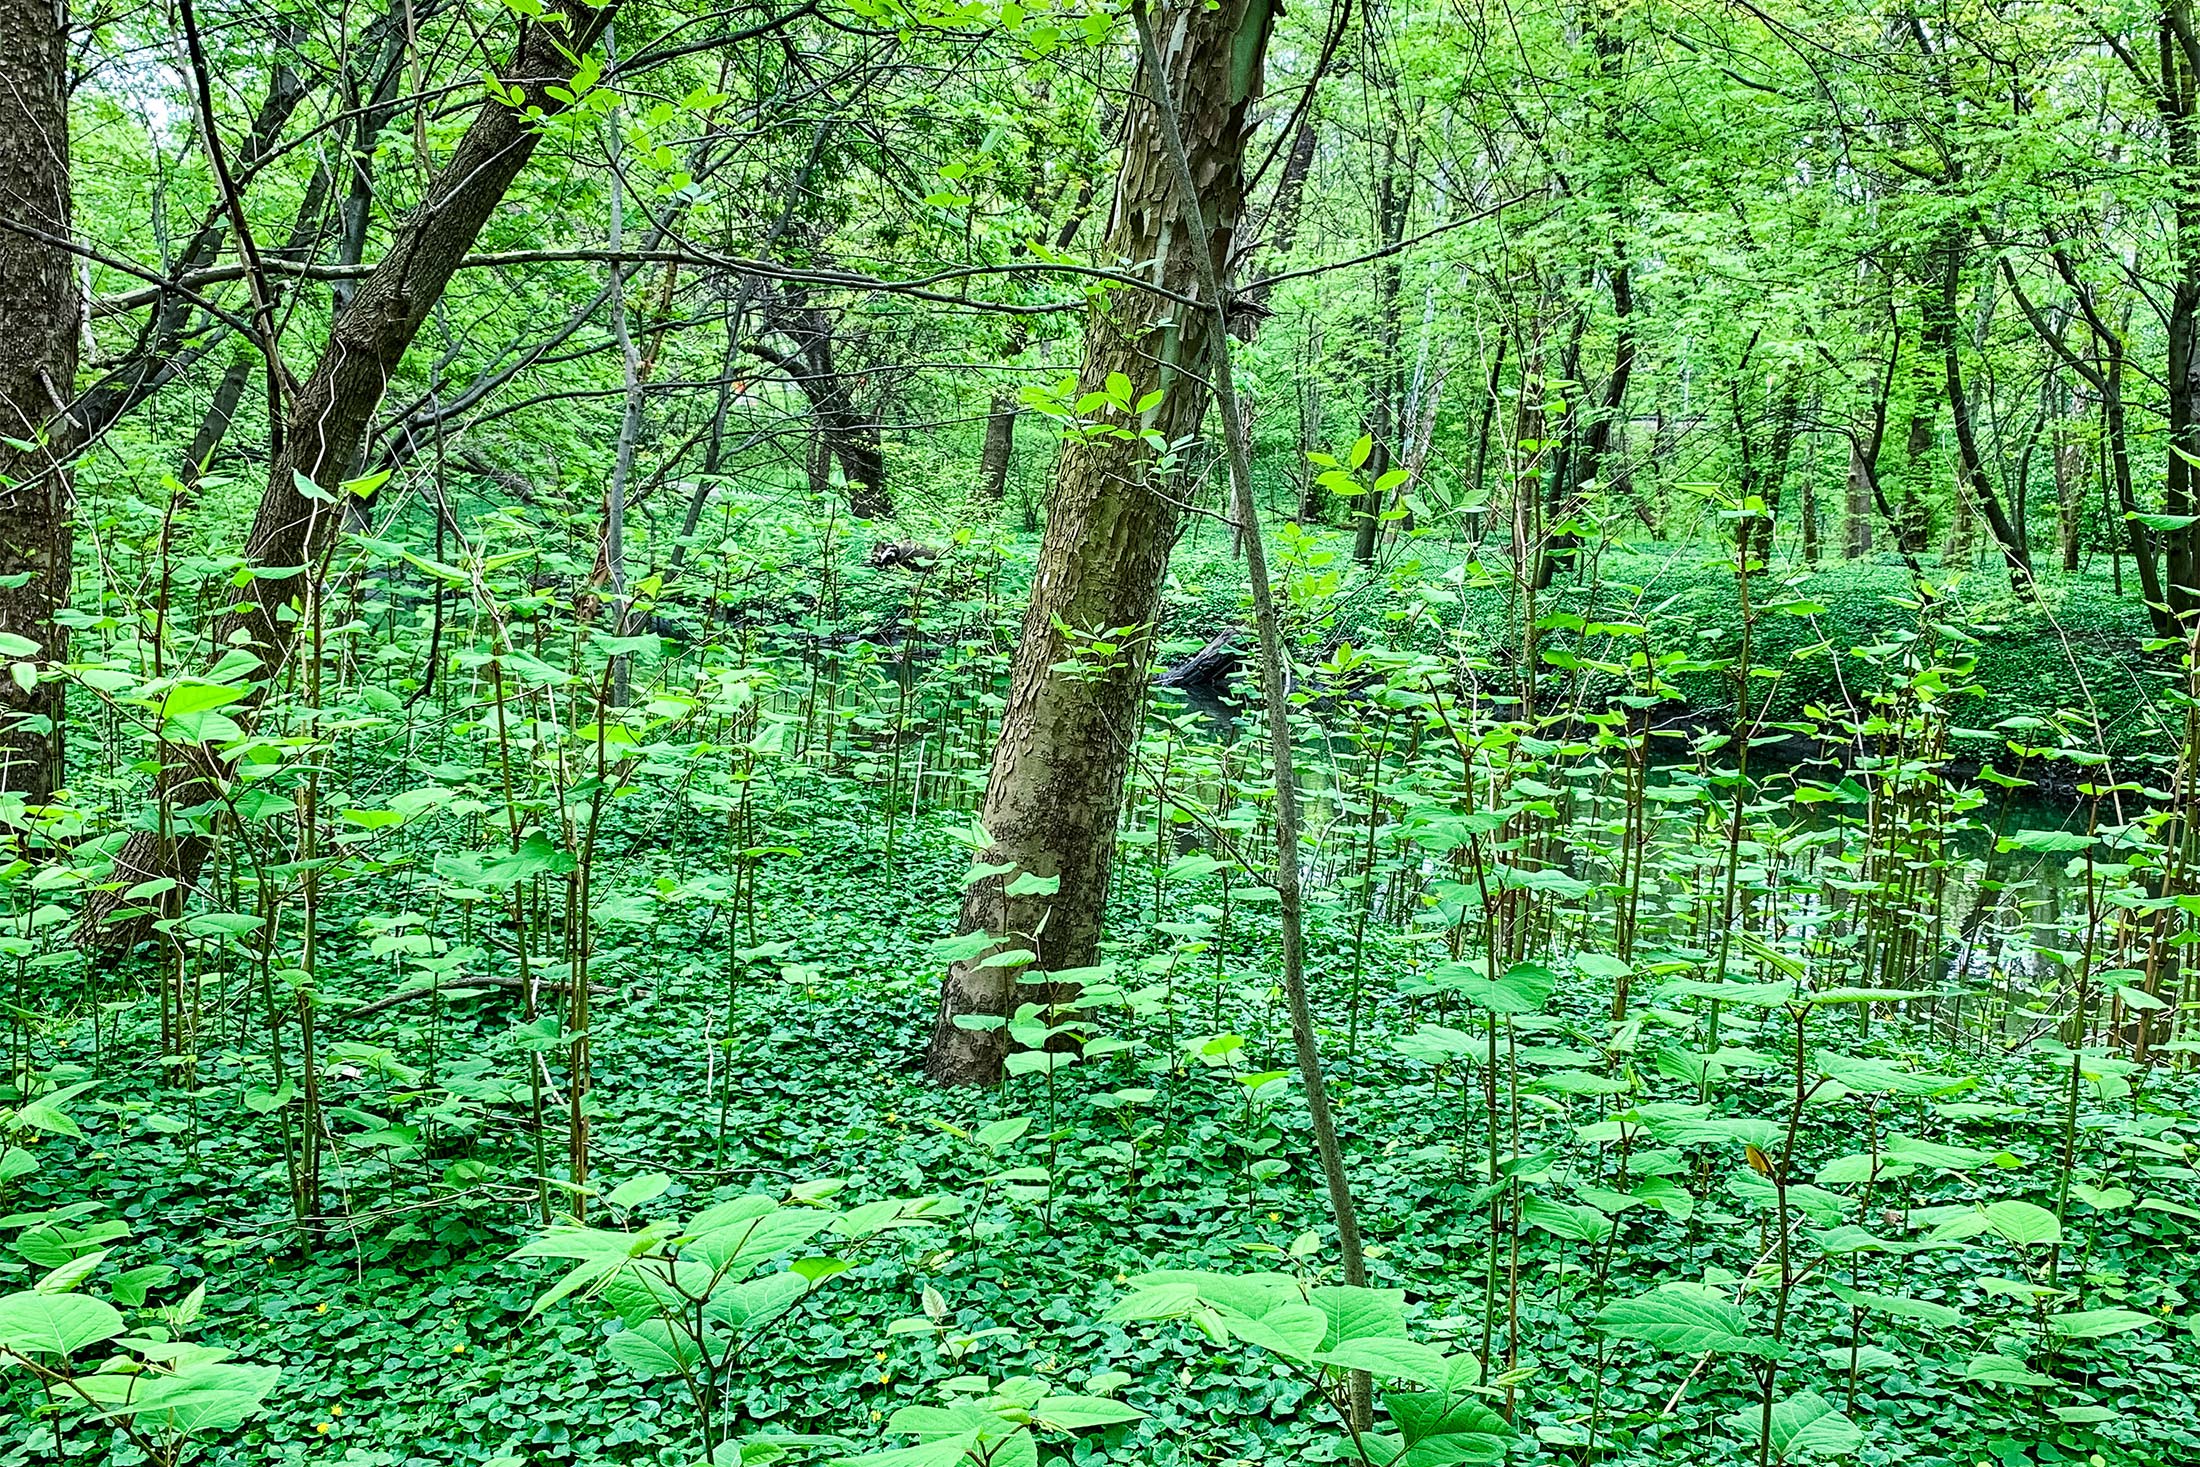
[[39, 313], [331, 414], [1056, 788]]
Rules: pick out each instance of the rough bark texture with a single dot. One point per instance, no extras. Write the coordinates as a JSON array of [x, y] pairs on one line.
[[1057, 780], [1000, 446], [332, 413], [2071, 462], [1579, 468], [844, 431], [39, 312], [1856, 509]]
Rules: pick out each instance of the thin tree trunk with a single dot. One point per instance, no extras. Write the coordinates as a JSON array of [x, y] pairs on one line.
[[41, 313], [2104, 372], [844, 431], [1856, 509], [2014, 552], [1275, 691], [1055, 792], [1000, 446], [1393, 202], [1581, 466], [333, 410], [612, 556], [2179, 103]]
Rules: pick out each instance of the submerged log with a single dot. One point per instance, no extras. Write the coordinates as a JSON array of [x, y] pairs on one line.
[[1209, 669]]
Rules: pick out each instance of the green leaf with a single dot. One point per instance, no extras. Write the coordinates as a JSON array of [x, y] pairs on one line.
[[2103, 1199], [2085, 1415], [1575, 1224], [2023, 1223], [2000, 1370], [1899, 1306], [750, 1305], [996, 1134], [1360, 1314], [1521, 989], [55, 1324], [1683, 1321], [634, 1191], [1934, 1154], [752, 1239], [654, 1349], [1454, 1411], [1804, 1426], [1294, 1331], [2096, 1324], [204, 1397], [1075, 1413], [1389, 1358], [945, 1453]]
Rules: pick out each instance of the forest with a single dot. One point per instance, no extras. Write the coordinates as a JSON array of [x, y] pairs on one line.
[[1047, 733]]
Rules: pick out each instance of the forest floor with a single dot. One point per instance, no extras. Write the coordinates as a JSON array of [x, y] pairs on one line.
[[405, 1336]]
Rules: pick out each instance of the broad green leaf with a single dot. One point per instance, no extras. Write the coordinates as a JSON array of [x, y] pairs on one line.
[[2000, 1370], [1074, 1413], [55, 1324], [1422, 1415], [754, 1239], [2097, 1324], [945, 1453], [1683, 1321], [1360, 1314], [1805, 1426], [2023, 1223], [1575, 1224], [208, 1397], [1521, 989], [1294, 1331], [1389, 1359], [655, 1349], [634, 1191], [1934, 1154], [1940, 1316]]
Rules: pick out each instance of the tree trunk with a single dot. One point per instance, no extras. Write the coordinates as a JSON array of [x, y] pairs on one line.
[[1580, 467], [40, 310], [1056, 787], [1000, 446], [1393, 202], [2014, 552], [2070, 486], [2179, 104], [1856, 508], [845, 431], [1279, 227], [331, 414]]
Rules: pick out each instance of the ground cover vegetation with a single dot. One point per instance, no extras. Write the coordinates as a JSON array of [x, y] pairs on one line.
[[882, 734]]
